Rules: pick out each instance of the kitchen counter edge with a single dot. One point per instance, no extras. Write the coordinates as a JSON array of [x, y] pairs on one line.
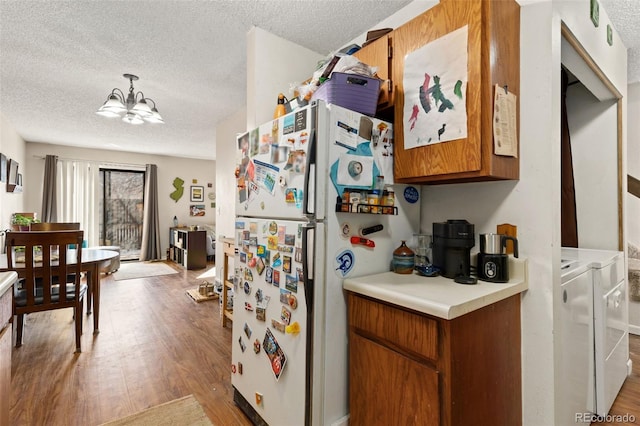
[[6, 280], [438, 296]]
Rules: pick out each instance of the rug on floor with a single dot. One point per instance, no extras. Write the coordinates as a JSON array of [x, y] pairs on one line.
[[182, 411], [130, 270]]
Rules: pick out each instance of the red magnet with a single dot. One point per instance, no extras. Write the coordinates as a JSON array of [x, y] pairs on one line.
[[363, 241]]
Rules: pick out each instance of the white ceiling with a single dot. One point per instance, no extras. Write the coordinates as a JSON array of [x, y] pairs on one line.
[[59, 61]]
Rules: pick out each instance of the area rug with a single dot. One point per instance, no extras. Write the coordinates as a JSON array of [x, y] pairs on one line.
[[131, 270], [183, 411]]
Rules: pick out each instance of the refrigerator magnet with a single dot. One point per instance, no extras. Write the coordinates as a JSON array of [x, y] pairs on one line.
[[293, 328], [243, 347], [272, 242], [261, 314], [298, 255], [268, 276], [233, 368], [259, 296], [248, 275], [276, 278], [284, 296], [248, 307], [247, 288], [290, 239], [344, 263], [260, 266], [247, 329], [291, 283], [411, 194], [300, 274], [258, 398], [276, 260], [243, 257], [256, 346], [273, 228], [285, 315], [278, 325], [286, 264], [239, 368], [292, 300]]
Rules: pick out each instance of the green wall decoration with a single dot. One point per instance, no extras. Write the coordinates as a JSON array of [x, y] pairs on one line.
[[178, 184], [609, 35], [594, 11]]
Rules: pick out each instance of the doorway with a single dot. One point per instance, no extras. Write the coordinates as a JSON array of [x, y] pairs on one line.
[[122, 210]]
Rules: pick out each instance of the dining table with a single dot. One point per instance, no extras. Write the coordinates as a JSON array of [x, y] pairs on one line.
[[92, 260]]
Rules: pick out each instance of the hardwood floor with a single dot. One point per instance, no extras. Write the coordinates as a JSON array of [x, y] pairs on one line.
[[155, 345]]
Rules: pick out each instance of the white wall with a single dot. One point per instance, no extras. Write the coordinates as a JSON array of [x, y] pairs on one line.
[[593, 128], [13, 147], [226, 147], [273, 66], [204, 171], [633, 203]]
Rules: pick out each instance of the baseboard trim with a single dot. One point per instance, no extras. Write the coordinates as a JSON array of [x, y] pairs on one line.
[[634, 329]]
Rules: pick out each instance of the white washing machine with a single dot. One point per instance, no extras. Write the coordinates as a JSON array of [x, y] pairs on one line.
[[610, 348]]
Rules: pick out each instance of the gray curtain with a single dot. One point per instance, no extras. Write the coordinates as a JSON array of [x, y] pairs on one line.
[[151, 249], [49, 199]]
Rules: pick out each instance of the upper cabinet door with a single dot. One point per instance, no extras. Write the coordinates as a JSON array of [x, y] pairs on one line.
[[493, 46], [378, 54]]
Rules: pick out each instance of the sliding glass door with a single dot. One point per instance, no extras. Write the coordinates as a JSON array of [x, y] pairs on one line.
[[121, 210]]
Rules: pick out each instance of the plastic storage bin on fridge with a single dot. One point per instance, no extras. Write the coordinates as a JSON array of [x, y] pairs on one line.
[[351, 91]]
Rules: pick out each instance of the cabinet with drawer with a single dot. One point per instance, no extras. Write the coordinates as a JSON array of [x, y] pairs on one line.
[[407, 367], [7, 281]]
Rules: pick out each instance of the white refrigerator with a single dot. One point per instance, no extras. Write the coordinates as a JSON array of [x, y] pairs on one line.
[[297, 240]]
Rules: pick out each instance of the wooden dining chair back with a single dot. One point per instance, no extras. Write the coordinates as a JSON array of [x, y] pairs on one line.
[[55, 226], [40, 258]]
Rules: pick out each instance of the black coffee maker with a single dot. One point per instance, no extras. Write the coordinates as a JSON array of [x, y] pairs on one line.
[[452, 243]]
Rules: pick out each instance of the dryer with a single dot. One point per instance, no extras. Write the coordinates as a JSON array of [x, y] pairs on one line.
[[609, 335]]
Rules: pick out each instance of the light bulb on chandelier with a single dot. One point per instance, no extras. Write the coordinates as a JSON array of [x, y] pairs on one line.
[[135, 106]]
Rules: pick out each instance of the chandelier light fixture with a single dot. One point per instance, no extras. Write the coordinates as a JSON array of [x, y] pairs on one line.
[[135, 108]]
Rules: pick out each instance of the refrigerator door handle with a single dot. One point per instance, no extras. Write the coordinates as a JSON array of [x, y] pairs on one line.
[[311, 168], [308, 238]]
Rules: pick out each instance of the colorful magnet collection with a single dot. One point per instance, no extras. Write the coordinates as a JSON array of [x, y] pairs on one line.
[[268, 251]]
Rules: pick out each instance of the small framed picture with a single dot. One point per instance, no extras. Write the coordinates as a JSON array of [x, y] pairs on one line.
[[197, 193], [3, 168]]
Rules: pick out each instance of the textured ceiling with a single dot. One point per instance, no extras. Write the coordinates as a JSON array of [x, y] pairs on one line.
[[60, 59], [625, 16]]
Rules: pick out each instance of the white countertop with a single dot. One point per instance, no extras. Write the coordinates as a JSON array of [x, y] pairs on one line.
[[439, 296], [6, 280]]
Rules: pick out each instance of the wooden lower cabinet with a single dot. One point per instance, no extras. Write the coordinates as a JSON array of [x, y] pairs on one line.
[[408, 368]]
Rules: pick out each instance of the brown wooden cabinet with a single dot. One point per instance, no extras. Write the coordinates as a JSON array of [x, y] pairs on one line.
[[188, 248], [379, 54], [409, 368], [493, 58]]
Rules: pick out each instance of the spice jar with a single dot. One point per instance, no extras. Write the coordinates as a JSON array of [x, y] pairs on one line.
[[373, 199]]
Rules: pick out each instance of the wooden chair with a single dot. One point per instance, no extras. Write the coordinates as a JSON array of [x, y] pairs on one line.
[[40, 258], [55, 226]]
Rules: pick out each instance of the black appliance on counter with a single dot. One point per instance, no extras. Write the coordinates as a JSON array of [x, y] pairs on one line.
[[452, 243], [493, 262]]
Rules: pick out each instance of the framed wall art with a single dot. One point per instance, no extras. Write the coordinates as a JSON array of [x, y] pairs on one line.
[[197, 193], [3, 168]]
